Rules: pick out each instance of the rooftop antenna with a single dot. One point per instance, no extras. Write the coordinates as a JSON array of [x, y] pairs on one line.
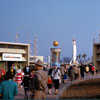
[[35, 46]]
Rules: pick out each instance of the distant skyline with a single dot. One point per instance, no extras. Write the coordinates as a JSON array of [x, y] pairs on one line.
[[51, 20]]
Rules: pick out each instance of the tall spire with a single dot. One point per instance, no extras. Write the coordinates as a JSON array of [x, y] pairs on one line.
[[29, 42], [17, 36], [29, 39], [35, 46]]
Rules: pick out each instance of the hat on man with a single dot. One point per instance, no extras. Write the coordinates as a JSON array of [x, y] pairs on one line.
[[38, 62]]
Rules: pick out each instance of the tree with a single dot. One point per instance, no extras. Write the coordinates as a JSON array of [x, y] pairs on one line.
[[79, 58], [84, 56]]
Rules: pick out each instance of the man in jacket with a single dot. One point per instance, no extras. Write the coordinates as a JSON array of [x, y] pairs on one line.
[[40, 81]]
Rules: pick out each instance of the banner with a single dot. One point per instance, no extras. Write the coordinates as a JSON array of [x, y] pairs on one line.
[[11, 57]]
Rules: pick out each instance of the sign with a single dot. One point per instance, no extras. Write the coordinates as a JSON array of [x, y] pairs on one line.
[[12, 57]]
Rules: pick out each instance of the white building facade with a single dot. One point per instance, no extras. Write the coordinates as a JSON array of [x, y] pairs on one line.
[[14, 53]]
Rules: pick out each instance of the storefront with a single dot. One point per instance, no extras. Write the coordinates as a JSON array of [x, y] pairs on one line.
[[14, 53]]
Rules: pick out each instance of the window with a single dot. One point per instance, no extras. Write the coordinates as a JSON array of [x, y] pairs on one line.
[[21, 47], [2, 46], [11, 46]]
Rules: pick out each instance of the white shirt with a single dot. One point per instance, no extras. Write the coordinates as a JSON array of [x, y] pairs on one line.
[[56, 74]]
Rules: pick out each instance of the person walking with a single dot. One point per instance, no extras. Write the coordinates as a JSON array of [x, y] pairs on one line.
[[87, 69], [56, 74], [71, 74], [75, 72], [18, 77], [8, 88], [62, 70], [26, 70], [12, 71], [50, 71], [39, 81], [32, 81], [25, 84], [93, 69], [2, 73], [65, 77], [49, 84], [82, 71]]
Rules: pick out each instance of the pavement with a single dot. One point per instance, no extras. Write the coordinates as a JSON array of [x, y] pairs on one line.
[[62, 88]]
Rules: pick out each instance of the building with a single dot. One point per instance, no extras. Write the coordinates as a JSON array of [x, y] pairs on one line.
[[14, 53], [96, 55]]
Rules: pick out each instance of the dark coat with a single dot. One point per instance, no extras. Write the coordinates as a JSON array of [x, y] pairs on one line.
[[26, 81], [26, 72]]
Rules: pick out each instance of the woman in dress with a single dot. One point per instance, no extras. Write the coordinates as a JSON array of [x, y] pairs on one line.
[[18, 77]]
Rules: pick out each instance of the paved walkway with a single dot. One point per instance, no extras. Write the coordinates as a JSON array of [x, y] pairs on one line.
[[63, 86]]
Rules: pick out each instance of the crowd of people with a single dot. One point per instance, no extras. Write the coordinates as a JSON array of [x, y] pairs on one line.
[[35, 79]]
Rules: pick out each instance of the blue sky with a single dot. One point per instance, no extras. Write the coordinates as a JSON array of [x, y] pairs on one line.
[[51, 20]]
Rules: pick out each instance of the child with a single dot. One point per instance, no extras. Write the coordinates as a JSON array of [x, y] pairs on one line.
[[49, 84]]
